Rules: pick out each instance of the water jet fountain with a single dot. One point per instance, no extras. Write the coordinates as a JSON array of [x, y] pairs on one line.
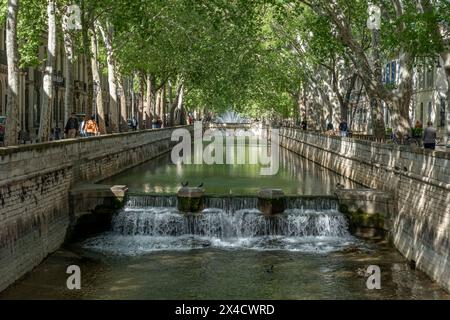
[[231, 117]]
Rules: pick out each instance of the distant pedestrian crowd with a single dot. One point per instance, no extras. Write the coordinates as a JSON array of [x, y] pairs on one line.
[[80, 128]]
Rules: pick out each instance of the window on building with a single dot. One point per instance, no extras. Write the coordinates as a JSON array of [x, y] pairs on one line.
[[84, 68], [387, 73], [79, 68], [27, 108], [61, 109], [62, 59], [37, 108], [430, 110], [424, 80], [393, 71], [442, 113], [421, 112], [430, 77], [55, 112], [1, 96], [1, 40]]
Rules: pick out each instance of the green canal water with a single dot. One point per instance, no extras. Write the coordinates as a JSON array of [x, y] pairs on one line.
[[296, 176], [158, 253]]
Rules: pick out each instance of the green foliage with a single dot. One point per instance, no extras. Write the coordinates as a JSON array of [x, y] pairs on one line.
[[31, 28], [3, 9], [250, 55]]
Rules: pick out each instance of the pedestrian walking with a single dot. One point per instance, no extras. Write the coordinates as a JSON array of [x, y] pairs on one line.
[[71, 126], [343, 128], [418, 125], [51, 137], [134, 124], [91, 127], [82, 128], [304, 125], [429, 136], [330, 126]]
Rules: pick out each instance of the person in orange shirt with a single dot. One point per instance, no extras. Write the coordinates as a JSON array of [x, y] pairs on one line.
[[418, 125], [91, 127]]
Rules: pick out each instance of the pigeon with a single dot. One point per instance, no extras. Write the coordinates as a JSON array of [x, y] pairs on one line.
[[201, 185], [185, 184]]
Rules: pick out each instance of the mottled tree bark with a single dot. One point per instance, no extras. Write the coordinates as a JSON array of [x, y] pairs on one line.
[[113, 109], [123, 104], [69, 92], [141, 101], [149, 105], [176, 104], [12, 107], [99, 106], [47, 98], [87, 56]]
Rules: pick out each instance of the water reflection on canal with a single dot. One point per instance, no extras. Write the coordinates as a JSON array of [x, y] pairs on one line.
[[296, 175]]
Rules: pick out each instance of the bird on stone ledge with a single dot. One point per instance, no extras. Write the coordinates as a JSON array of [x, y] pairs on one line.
[[270, 269], [185, 184]]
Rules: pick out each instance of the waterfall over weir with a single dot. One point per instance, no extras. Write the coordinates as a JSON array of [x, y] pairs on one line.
[[234, 203], [152, 222]]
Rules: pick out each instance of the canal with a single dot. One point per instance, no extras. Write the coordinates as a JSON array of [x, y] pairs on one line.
[[153, 252]]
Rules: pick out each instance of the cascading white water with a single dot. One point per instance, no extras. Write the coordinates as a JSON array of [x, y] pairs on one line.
[[137, 230], [231, 117], [217, 223]]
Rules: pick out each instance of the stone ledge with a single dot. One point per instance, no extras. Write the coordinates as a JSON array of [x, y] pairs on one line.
[[4, 151]]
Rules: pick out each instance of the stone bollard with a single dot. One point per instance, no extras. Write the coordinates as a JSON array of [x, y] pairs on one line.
[[271, 201], [191, 200]]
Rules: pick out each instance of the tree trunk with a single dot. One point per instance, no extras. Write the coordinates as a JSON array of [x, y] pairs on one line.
[[158, 104], [402, 96], [446, 58], [87, 56], [123, 104], [378, 126], [346, 100], [107, 39], [353, 113], [12, 107], [69, 92], [176, 104], [99, 107], [133, 97], [148, 107], [163, 98], [47, 99], [141, 101]]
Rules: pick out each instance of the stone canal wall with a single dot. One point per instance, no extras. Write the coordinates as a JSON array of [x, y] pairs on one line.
[[34, 189], [418, 179]]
